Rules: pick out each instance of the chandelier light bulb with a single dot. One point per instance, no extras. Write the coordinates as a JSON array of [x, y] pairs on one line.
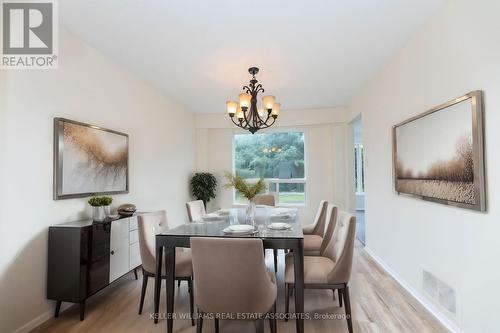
[[268, 102], [232, 107], [276, 109], [240, 114], [260, 111], [245, 100]]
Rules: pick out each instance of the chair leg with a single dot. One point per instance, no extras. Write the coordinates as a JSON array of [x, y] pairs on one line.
[[143, 292], [347, 301], [135, 273], [216, 325], [272, 321], [275, 253], [287, 301], [58, 308], [340, 297], [178, 283], [199, 322], [259, 326], [82, 310], [191, 300], [333, 292]]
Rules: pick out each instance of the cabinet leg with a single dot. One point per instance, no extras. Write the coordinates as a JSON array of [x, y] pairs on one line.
[[82, 310], [58, 307]]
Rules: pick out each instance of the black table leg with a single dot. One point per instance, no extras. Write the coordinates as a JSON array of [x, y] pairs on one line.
[[58, 308], [82, 310], [170, 270], [298, 257], [159, 254]]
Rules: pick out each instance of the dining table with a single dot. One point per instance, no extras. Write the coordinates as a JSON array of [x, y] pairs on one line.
[[216, 225]]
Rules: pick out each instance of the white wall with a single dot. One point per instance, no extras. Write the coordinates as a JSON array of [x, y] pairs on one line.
[[325, 133], [455, 52], [87, 87]]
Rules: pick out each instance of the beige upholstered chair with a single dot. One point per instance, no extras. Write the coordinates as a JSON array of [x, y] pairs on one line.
[[331, 221], [231, 278], [314, 233], [151, 224], [265, 199], [332, 269], [196, 210], [268, 200]]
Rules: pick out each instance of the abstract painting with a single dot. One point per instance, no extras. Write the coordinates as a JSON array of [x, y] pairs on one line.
[[438, 155], [88, 160]]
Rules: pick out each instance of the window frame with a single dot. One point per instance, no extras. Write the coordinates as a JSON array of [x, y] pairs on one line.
[[277, 181], [359, 172]]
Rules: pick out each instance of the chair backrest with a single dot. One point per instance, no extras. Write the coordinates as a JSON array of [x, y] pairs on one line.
[[331, 222], [320, 219], [196, 210], [231, 276], [265, 199], [150, 224], [341, 248]]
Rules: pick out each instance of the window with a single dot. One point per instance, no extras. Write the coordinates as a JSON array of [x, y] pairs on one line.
[[276, 157], [359, 174]]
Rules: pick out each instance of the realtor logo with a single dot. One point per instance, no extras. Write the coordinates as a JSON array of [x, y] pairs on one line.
[[29, 35]]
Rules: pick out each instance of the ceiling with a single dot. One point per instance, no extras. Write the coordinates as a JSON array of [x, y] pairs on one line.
[[312, 54]]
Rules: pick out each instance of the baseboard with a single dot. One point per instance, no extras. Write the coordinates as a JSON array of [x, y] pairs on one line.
[[41, 319], [450, 325]]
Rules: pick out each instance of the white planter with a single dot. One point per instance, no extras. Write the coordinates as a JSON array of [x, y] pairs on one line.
[[98, 214]]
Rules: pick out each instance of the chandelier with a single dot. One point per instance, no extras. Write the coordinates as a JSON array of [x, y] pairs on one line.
[[246, 114]]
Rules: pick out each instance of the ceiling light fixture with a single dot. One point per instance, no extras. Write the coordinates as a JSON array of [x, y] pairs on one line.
[[246, 114]]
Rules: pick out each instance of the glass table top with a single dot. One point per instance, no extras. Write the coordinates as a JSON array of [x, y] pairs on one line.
[[213, 225]]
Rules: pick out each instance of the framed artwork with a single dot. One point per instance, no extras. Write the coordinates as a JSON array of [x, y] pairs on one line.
[[88, 160], [439, 155]]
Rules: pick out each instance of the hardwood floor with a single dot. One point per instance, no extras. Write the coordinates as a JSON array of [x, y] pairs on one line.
[[379, 304]]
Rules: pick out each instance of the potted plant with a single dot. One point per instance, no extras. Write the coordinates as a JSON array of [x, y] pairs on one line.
[[106, 203], [248, 190], [203, 186], [98, 213]]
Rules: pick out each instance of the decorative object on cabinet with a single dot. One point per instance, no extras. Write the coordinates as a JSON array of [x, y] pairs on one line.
[[439, 155], [126, 210], [203, 186], [247, 190], [88, 160], [85, 257], [100, 208]]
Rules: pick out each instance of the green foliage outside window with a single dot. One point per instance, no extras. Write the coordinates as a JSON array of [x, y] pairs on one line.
[[270, 155]]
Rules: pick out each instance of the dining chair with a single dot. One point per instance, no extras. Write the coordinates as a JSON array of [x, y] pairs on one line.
[[231, 279], [331, 270], [331, 212], [149, 225], [314, 233], [268, 200], [195, 210], [265, 199]]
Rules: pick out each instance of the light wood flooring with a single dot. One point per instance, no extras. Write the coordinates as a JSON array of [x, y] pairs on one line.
[[379, 304]]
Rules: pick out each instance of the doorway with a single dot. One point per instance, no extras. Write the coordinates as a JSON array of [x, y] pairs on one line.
[[359, 178]]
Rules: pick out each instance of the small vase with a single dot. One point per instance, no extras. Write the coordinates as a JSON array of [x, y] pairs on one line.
[[250, 213], [98, 214], [107, 210]]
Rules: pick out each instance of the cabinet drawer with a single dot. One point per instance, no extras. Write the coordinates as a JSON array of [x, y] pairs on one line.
[[133, 223], [134, 236], [135, 256]]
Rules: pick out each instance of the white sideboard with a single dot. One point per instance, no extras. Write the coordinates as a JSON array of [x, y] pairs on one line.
[[124, 247]]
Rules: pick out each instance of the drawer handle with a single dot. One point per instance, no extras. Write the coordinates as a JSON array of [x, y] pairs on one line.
[[112, 252]]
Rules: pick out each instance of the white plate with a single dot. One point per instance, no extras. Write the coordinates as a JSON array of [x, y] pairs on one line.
[[211, 217], [241, 228], [279, 226]]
